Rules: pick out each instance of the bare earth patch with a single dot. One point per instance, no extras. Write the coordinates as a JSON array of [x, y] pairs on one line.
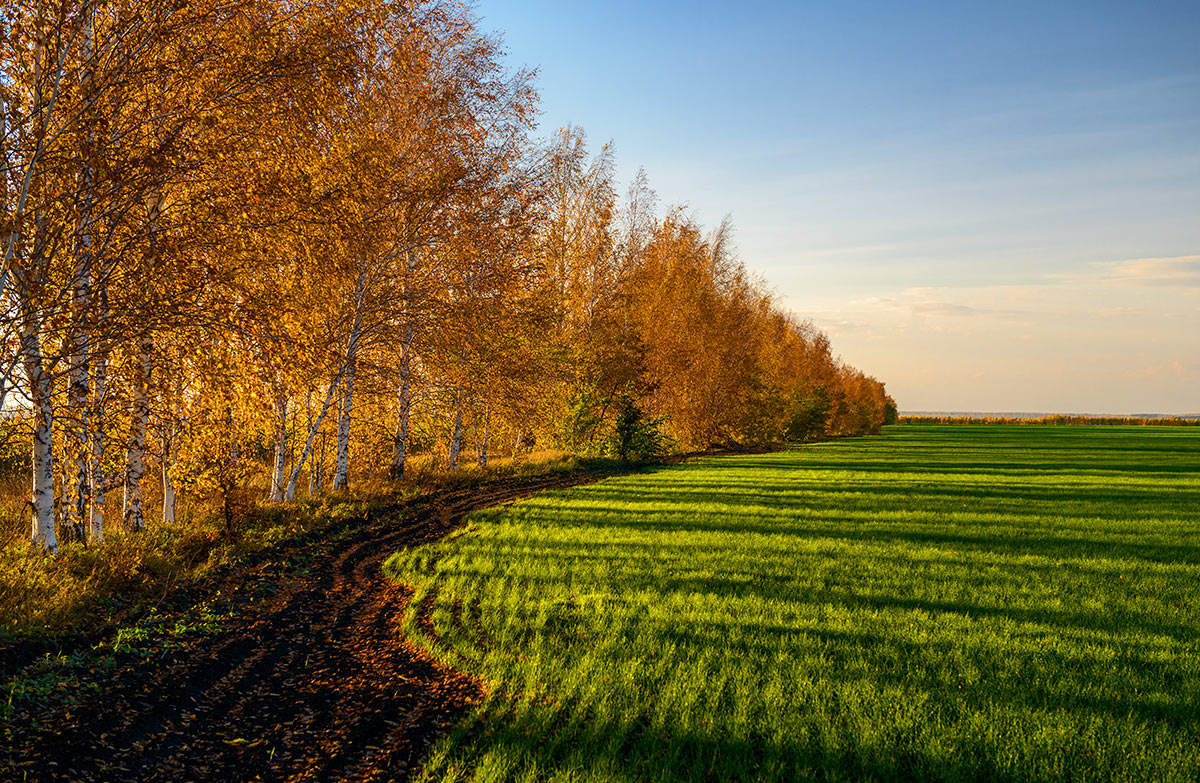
[[314, 681]]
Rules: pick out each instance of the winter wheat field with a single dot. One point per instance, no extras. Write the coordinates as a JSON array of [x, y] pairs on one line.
[[938, 602]]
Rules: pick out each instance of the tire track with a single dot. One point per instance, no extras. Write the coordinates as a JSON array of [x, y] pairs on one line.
[[314, 683]]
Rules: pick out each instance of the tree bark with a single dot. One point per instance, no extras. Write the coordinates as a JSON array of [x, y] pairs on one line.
[[277, 473], [290, 492], [400, 441], [457, 433], [99, 390], [135, 455], [483, 441], [340, 477], [168, 486], [77, 476], [41, 394], [312, 472]]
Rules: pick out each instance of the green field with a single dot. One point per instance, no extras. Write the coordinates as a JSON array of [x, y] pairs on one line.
[[938, 602]]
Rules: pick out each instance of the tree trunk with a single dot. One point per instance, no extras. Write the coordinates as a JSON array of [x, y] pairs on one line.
[[483, 441], [135, 455], [294, 478], [340, 477], [400, 441], [41, 393], [308, 420], [168, 450], [457, 433], [321, 463], [277, 473], [78, 453], [78, 446], [99, 389]]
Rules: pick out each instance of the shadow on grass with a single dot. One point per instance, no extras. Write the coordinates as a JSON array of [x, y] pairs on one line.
[[616, 751], [872, 623], [1030, 539]]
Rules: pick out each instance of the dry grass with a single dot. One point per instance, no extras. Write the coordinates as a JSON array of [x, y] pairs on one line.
[[85, 587]]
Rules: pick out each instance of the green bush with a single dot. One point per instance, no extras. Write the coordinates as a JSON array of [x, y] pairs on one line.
[[637, 437]]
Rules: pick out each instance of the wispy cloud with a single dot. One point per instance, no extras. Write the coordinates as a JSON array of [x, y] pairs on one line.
[[1145, 372], [1181, 271], [947, 309], [935, 302]]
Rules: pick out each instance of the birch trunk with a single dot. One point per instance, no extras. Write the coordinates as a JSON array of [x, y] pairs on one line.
[[78, 446], [320, 466], [340, 477], [41, 394], [168, 507], [400, 441], [483, 442], [456, 434], [99, 389], [312, 473], [78, 456], [290, 492], [277, 473], [135, 455]]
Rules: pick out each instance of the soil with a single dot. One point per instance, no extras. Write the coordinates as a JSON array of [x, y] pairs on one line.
[[312, 680]]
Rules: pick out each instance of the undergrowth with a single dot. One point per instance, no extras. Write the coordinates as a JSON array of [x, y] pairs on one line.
[[102, 586]]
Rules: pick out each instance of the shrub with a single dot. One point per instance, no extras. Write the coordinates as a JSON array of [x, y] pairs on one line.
[[637, 437]]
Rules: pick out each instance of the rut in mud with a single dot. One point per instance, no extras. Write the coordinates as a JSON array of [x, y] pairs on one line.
[[315, 682]]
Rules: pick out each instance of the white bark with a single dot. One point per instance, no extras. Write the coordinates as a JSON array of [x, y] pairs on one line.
[[319, 468], [135, 455], [313, 427], [312, 472], [344, 378], [77, 474], [340, 476], [400, 441], [78, 446], [457, 433], [96, 507], [168, 485], [277, 472], [41, 395], [483, 441]]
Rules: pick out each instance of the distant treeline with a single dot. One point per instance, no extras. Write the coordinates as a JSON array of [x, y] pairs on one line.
[[1135, 421]]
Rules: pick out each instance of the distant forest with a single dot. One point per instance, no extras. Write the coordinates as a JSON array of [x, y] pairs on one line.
[[984, 418]]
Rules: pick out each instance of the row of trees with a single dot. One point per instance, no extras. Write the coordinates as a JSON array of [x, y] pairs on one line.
[[298, 237], [1057, 419]]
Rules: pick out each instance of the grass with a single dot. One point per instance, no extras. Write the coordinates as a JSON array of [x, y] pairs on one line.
[[113, 583], [935, 603]]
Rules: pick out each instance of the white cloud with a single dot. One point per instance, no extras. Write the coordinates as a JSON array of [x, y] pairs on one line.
[[1181, 271], [1145, 372]]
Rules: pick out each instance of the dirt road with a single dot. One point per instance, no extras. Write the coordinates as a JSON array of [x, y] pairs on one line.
[[312, 683]]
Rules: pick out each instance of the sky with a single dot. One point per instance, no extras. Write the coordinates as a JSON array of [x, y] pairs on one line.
[[987, 206]]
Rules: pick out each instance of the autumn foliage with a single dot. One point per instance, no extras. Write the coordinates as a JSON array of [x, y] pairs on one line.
[[256, 249]]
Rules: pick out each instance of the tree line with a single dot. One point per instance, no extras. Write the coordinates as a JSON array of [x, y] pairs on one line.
[[1058, 419], [299, 241]]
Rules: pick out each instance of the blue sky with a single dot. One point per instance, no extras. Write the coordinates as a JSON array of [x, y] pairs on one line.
[[987, 206]]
